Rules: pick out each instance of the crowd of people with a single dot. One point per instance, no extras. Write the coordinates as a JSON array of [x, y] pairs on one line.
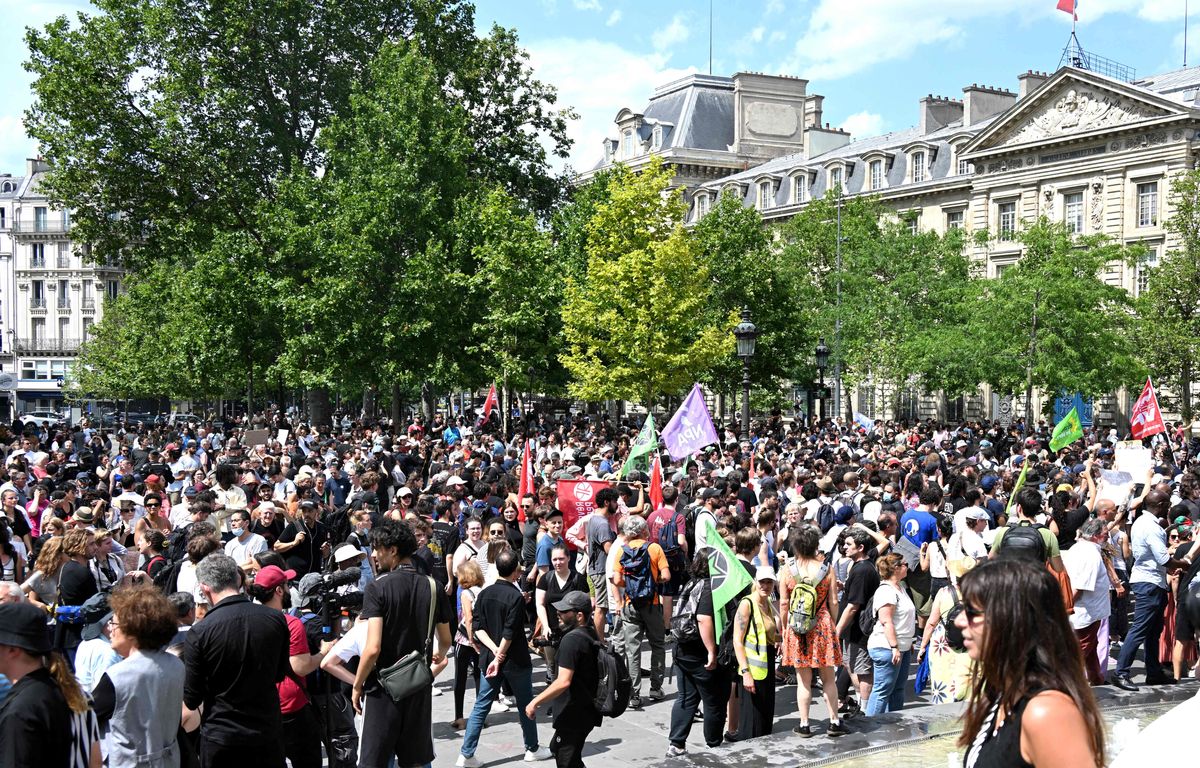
[[172, 596]]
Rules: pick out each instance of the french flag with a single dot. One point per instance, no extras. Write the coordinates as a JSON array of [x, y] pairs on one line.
[[1069, 6]]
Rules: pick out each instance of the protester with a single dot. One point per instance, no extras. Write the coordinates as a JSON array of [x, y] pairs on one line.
[[699, 678], [466, 657], [755, 637], [890, 643], [640, 570], [1085, 564]]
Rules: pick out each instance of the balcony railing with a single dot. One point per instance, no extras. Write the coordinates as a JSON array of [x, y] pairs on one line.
[[49, 226], [63, 262], [47, 346], [89, 305], [36, 303], [37, 263], [64, 305]]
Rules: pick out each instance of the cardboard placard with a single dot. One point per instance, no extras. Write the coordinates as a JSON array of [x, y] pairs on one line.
[[256, 437], [1115, 486]]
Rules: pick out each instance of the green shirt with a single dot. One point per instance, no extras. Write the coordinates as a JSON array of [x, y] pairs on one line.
[[1047, 536]]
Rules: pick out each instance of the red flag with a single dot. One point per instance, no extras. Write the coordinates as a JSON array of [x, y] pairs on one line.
[[656, 481], [1068, 6], [1146, 419], [526, 485], [489, 403], [577, 498]]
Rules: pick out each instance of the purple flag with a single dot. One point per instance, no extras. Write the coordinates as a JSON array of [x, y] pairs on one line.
[[691, 428]]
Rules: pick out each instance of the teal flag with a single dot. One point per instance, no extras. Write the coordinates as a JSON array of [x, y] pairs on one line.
[[643, 446], [727, 574]]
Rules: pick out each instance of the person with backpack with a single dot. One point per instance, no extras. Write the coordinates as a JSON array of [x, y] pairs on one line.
[[1024, 538], [855, 619], [578, 678], [668, 527], [949, 664], [755, 638], [809, 609], [640, 569], [698, 675], [891, 639]]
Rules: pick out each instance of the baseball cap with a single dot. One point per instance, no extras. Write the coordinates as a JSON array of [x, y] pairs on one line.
[[985, 443], [153, 479], [988, 482], [309, 588], [765, 573], [23, 625], [455, 480], [190, 491], [1063, 487], [709, 493], [347, 552], [574, 601], [978, 514], [404, 491], [272, 576]]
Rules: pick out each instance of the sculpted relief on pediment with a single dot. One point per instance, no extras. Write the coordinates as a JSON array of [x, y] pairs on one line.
[[1078, 110]]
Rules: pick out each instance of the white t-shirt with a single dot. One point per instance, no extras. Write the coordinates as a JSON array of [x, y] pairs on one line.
[[352, 643], [904, 617], [241, 551], [960, 517], [1090, 578]]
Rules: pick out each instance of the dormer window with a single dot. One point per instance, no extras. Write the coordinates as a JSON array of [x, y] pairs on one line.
[[627, 144], [835, 177], [965, 168], [799, 188], [876, 170], [919, 169], [701, 205], [733, 190], [656, 138], [608, 151], [766, 195]]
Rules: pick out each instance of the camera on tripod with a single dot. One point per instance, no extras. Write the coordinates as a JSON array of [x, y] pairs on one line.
[[330, 602]]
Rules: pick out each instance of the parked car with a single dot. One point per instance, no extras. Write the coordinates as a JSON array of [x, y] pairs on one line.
[[37, 418]]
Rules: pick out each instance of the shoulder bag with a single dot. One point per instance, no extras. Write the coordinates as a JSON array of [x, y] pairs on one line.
[[411, 674]]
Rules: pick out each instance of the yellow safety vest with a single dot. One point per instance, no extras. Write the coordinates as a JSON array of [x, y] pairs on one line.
[[756, 643]]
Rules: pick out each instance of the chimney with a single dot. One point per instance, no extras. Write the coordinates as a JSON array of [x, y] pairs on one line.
[[35, 165], [939, 111], [981, 102], [1030, 82]]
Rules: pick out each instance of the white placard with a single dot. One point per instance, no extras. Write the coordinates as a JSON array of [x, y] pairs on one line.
[[1115, 486], [1134, 458], [282, 437]]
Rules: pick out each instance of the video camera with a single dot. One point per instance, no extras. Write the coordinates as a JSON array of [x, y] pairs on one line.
[[331, 603]]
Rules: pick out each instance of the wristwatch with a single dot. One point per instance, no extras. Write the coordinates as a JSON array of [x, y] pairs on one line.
[[743, 670]]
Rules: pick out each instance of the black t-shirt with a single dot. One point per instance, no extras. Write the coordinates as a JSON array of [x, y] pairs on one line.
[[305, 557], [577, 652], [746, 495], [1069, 524], [694, 650], [75, 584], [424, 560], [401, 599], [442, 542], [17, 526], [269, 532], [861, 583], [554, 592], [35, 723]]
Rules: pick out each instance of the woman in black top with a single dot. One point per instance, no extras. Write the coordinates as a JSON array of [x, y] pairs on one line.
[[75, 585], [1030, 703], [550, 589]]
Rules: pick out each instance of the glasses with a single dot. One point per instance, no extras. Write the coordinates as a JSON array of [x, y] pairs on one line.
[[526, 506], [973, 614], [497, 531], [149, 505], [1174, 536]]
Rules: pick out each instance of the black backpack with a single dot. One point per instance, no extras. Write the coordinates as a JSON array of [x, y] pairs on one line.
[[1024, 541], [684, 626], [954, 635], [825, 517], [614, 685], [167, 578], [177, 544]]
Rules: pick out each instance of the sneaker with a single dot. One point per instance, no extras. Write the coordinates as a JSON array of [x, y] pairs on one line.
[[541, 753], [635, 702], [437, 691], [674, 751], [509, 701], [656, 694], [803, 731], [459, 724], [836, 729], [731, 737], [499, 705], [467, 762]]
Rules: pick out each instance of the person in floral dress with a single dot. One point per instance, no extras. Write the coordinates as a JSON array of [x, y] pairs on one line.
[[819, 648], [949, 669]]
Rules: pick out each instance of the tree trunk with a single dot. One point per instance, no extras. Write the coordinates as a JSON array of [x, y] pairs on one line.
[[368, 402], [506, 412], [427, 401], [249, 393], [1186, 386], [395, 409], [319, 412]]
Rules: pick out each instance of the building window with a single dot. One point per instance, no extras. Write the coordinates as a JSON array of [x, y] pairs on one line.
[[608, 151], [1008, 220], [1002, 268], [965, 168], [3, 223], [1147, 204], [835, 178], [627, 144], [798, 188], [64, 294], [656, 138], [912, 220], [765, 195], [1073, 212], [64, 328], [954, 219], [39, 219], [918, 167], [1145, 266], [37, 256], [701, 205], [876, 174], [39, 328], [37, 294], [87, 327], [112, 289]]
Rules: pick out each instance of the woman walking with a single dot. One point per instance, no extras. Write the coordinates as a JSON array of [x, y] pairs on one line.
[[755, 636], [890, 643], [1030, 703], [466, 658]]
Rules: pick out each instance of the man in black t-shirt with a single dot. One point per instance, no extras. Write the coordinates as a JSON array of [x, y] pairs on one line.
[[858, 595], [700, 677], [578, 677], [305, 542]]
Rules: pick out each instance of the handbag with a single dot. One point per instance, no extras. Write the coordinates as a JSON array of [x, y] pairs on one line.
[[411, 674]]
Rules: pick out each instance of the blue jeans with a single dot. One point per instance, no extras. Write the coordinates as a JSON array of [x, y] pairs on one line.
[[1149, 603], [520, 679], [887, 693]]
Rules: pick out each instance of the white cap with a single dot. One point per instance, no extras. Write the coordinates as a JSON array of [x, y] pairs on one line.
[[765, 573], [455, 480], [404, 491], [347, 552]]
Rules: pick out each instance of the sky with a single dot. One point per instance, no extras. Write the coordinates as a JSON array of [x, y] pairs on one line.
[[871, 59]]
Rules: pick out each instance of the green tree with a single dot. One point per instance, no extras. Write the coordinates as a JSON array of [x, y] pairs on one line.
[[1052, 322], [1168, 328], [637, 326]]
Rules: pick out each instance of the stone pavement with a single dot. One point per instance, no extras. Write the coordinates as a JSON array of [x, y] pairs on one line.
[[639, 738]]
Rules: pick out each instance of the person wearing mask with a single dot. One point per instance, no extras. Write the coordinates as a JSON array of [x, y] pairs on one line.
[[400, 731], [1031, 705], [140, 697], [245, 544], [577, 677], [45, 720], [234, 659], [890, 643], [499, 627]]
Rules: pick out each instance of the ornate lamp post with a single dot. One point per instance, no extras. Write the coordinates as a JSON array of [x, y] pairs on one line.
[[822, 356], [745, 333]]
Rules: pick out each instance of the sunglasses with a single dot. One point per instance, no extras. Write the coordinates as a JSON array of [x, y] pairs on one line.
[[497, 531], [152, 506], [973, 614]]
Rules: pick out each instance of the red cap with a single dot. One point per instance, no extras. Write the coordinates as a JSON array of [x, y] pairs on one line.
[[271, 577], [153, 479]]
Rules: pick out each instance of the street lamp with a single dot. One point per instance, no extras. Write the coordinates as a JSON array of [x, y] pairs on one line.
[[530, 371], [822, 355], [745, 333]]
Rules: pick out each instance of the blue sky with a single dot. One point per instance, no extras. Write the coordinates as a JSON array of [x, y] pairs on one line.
[[871, 59]]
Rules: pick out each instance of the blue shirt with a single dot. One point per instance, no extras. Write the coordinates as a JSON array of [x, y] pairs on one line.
[[1148, 541], [919, 527], [543, 550]]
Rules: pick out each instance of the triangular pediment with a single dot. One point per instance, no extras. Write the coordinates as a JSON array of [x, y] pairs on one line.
[[1072, 104]]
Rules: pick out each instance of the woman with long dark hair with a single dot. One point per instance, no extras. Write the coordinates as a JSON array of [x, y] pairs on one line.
[[1030, 703]]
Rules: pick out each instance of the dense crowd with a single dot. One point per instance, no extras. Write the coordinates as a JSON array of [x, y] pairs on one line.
[[173, 596]]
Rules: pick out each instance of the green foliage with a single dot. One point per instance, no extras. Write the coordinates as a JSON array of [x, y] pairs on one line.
[[637, 325]]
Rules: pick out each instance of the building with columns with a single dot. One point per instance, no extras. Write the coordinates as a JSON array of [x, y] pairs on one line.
[[50, 295]]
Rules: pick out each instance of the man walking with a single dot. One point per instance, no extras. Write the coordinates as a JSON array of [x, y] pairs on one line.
[[234, 658], [1089, 579], [600, 537], [641, 567], [499, 626], [578, 677]]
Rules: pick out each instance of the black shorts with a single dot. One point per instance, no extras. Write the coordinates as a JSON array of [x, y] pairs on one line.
[[1184, 631]]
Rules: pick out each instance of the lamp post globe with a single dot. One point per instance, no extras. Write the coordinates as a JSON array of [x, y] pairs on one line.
[[745, 333]]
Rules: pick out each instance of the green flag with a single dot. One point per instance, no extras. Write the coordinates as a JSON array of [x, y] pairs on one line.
[[644, 444], [1066, 431], [727, 575], [1020, 482]]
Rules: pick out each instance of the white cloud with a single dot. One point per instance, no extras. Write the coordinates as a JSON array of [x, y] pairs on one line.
[[613, 18], [597, 79], [586, 5], [773, 6], [863, 124], [672, 34], [756, 34], [778, 36]]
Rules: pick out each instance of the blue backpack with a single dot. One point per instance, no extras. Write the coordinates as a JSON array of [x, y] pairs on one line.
[[668, 539], [635, 564]]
